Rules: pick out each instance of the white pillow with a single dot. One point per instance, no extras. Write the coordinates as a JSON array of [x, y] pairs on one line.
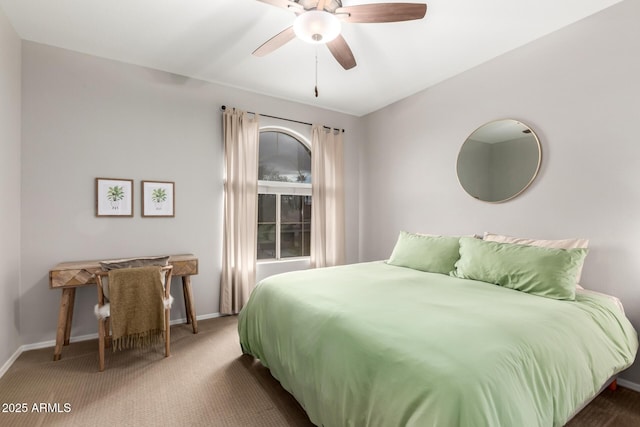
[[475, 236], [556, 244]]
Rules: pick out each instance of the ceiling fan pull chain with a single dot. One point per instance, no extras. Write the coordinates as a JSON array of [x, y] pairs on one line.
[[316, 88]]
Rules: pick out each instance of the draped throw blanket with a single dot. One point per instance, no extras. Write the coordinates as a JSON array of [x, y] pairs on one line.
[[137, 307], [327, 190], [240, 234]]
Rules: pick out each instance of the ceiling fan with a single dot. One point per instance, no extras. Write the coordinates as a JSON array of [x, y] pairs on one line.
[[319, 21]]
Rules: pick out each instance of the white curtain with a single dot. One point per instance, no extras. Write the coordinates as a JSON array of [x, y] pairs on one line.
[[327, 203], [241, 137]]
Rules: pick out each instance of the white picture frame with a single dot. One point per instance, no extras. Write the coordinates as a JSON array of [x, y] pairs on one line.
[[158, 198], [114, 197]]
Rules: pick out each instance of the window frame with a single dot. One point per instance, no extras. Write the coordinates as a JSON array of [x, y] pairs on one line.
[[279, 189]]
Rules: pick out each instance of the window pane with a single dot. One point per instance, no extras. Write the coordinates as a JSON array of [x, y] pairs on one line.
[[306, 243], [306, 226], [295, 229], [306, 209], [291, 240], [266, 208], [295, 209], [283, 158], [266, 241], [291, 209], [266, 226]]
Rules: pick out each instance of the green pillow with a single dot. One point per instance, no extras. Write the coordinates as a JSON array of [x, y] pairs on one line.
[[540, 271], [434, 254]]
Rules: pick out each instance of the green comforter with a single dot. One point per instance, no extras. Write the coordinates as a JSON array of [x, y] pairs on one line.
[[377, 345]]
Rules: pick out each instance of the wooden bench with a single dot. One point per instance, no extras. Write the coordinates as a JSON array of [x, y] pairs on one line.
[[71, 275]]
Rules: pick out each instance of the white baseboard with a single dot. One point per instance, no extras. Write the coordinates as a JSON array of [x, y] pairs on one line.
[[628, 384], [203, 317], [52, 343], [9, 362]]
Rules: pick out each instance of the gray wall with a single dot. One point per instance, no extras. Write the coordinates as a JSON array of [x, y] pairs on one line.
[[578, 88], [10, 112], [86, 117]]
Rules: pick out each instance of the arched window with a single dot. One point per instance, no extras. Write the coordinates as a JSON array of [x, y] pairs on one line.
[[284, 195]]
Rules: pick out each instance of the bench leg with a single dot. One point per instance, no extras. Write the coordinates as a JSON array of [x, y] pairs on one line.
[[188, 303], [64, 324], [67, 330]]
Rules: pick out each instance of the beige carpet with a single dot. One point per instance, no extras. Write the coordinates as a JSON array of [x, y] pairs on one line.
[[206, 382]]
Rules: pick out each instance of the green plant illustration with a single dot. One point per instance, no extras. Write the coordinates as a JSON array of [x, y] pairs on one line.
[[159, 195], [115, 193]]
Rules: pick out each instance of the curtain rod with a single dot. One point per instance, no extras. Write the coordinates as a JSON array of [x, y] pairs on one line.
[[224, 107]]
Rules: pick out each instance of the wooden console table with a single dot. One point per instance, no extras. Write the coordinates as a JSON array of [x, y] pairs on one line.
[[70, 275]]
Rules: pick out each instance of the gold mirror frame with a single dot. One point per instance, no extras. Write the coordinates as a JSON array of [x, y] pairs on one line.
[[478, 163]]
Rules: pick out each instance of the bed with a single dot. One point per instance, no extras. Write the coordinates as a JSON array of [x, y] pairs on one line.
[[375, 344]]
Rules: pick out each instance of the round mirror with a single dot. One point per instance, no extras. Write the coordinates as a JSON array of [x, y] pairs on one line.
[[499, 160]]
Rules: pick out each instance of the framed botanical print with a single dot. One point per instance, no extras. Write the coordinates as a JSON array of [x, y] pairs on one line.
[[158, 199], [114, 197]]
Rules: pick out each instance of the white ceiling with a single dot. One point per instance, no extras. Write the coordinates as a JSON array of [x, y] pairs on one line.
[[213, 39]]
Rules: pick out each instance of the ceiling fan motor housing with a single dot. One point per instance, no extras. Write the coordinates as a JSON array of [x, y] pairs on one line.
[[317, 26]]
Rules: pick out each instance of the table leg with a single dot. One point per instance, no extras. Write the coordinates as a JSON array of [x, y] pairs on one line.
[[188, 302], [67, 329], [62, 321]]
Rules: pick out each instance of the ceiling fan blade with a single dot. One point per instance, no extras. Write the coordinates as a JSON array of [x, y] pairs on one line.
[[280, 39], [382, 12], [321, 4], [341, 51], [285, 4]]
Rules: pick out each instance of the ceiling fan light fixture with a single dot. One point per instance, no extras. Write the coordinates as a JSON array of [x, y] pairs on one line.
[[316, 26]]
